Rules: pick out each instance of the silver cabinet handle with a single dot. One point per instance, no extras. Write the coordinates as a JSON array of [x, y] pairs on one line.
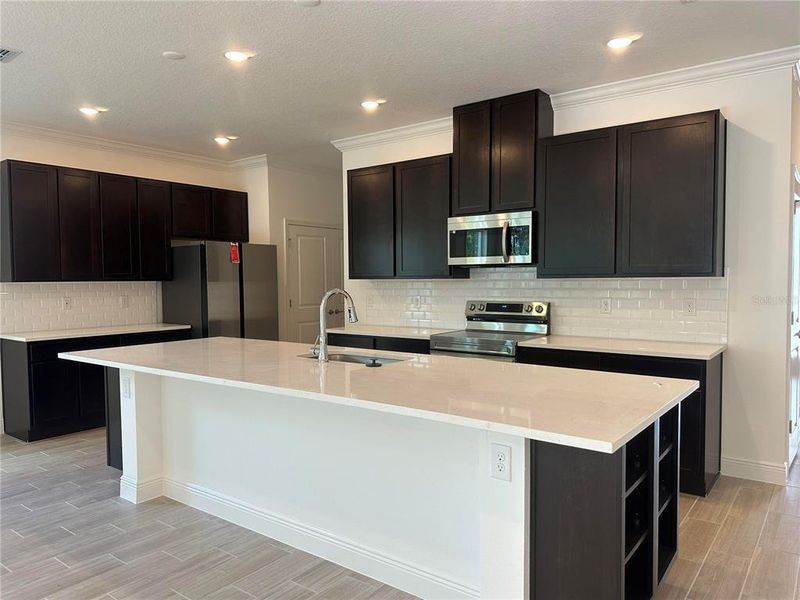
[[505, 242]]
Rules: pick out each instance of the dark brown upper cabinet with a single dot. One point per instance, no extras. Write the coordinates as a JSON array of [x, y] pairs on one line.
[[422, 201], [494, 152], [370, 216], [79, 225], [472, 166], [576, 201], [155, 229], [397, 220], [670, 192], [30, 248], [229, 221], [119, 227], [191, 211], [518, 121]]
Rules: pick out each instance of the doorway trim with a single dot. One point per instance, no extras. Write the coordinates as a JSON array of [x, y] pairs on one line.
[[283, 313]]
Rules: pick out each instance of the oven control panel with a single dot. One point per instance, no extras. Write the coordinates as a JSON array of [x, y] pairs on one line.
[[507, 308]]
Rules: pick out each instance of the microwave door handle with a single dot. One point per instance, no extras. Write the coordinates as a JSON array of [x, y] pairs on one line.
[[505, 242]]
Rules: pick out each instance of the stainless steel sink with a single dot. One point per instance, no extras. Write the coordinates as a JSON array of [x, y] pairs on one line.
[[361, 359]]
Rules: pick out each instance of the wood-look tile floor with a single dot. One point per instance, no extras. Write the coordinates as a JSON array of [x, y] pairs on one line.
[[742, 541], [66, 534]]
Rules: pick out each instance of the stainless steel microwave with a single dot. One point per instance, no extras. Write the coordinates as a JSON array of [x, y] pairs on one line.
[[497, 239]]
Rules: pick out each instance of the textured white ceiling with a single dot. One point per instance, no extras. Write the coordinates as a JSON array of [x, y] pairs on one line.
[[315, 65]]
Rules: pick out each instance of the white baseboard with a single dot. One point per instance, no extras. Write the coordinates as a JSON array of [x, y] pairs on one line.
[[371, 562], [758, 471], [142, 491]]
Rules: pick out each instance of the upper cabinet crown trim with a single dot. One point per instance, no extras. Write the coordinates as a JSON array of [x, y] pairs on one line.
[[723, 69], [397, 134]]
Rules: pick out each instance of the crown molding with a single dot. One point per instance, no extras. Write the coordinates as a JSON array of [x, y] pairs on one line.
[[258, 161], [105, 145], [714, 71], [397, 134]]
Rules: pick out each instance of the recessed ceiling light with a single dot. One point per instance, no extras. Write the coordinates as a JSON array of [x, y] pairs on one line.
[[173, 55], [92, 111], [623, 41], [232, 137], [238, 55], [372, 104], [223, 140]]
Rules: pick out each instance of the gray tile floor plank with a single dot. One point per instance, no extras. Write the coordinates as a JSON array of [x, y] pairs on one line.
[[66, 535]]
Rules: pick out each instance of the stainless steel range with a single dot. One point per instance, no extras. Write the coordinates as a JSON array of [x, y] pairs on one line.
[[494, 328]]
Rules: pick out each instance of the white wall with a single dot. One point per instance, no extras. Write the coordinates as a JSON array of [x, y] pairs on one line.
[[757, 106], [306, 196]]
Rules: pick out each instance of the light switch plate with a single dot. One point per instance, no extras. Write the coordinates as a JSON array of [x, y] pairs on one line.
[[501, 461]]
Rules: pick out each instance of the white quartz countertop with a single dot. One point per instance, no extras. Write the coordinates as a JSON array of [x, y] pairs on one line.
[[584, 409], [689, 350], [63, 334], [399, 331]]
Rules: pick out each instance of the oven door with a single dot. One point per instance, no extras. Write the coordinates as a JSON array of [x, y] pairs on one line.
[[498, 239]]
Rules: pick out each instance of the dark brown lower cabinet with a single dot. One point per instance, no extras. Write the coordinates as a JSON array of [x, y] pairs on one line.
[[45, 396], [701, 412], [604, 526], [392, 344]]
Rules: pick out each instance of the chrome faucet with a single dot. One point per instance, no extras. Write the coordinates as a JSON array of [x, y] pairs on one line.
[[352, 316]]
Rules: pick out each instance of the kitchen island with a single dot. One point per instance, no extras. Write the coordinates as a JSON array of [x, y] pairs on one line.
[[446, 477]]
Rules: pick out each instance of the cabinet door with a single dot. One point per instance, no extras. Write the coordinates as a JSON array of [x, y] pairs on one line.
[[513, 151], [576, 189], [229, 216], [92, 394], [422, 203], [667, 203], [54, 393], [79, 225], [370, 200], [191, 211], [155, 229], [119, 227], [29, 222], [472, 127]]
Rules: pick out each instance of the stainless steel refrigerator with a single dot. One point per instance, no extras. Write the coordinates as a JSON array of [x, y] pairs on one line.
[[219, 296]]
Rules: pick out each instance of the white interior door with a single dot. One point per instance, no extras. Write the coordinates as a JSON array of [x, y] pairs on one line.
[[794, 367], [794, 347], [313, 265]]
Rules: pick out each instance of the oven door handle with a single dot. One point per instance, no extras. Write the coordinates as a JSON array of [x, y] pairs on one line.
[[505, 242]]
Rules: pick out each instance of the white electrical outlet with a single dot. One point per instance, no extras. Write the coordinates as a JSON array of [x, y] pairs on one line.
[[501, 461], [66, 303], [605, 306], [690, 306], [126, 387]]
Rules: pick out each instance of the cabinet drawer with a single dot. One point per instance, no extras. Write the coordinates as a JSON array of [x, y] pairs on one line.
[[42, 351], [403, 345], [154, 337], [351, 341]]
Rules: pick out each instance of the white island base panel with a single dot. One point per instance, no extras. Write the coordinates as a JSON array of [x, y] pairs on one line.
[[406, 501]]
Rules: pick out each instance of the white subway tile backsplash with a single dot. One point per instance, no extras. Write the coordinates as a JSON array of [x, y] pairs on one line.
[[641, 308], [39, 306]]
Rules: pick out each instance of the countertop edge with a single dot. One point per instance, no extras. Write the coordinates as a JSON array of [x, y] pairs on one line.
[[533, 434], [46, 336], [629, 352]]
